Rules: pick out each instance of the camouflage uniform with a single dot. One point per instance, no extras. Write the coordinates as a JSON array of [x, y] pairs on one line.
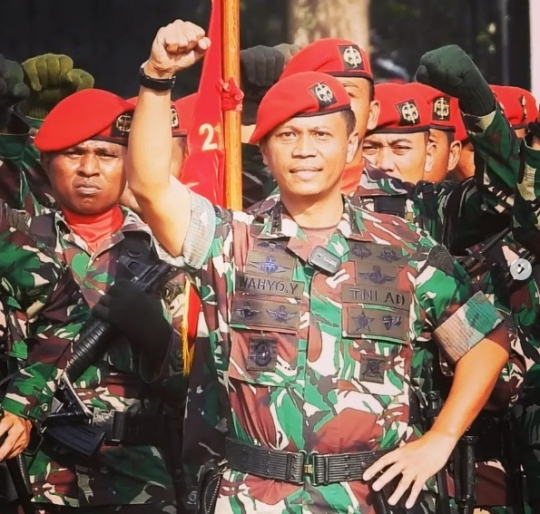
[[526, 225], [121, 474], [453, 214], [304, 356], [444, 210]]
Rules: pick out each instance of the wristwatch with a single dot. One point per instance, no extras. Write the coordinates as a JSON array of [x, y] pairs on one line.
[[153, 83]]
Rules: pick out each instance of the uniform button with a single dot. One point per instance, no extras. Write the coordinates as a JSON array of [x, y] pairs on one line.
[[45, 407]]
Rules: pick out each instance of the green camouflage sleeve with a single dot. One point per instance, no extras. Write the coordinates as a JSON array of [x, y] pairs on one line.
[[526, 216], [458, 316], [497, 158], [30, 275], [470, 212]]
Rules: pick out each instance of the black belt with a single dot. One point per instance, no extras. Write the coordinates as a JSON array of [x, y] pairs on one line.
[[126, 428], [293, 467]]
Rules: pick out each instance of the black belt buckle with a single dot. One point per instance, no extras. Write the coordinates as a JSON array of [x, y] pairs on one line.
[[311, 465]]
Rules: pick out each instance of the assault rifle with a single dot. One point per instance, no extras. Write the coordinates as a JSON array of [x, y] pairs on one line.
[[70, 420]]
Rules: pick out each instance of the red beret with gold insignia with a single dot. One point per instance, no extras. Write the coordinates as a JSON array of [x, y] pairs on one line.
[[86, 114], [442, 116], [403, 108], [337, 57], [519, 105], [309, 93]]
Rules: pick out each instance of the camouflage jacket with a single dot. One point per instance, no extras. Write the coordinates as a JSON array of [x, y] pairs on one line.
[[23, 182], [305, 356], [120, 474]]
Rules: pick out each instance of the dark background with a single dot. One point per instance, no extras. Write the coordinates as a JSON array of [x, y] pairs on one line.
[[111, 38]]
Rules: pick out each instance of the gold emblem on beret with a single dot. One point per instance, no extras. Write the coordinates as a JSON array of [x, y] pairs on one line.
[[323, 93], [441, 109], [123, 123], [409, 113], [352, 56]]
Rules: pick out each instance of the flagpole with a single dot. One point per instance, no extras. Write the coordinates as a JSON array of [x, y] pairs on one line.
[[232, 137]]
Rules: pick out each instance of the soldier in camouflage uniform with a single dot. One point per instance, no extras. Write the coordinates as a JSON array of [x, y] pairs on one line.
[[128, 474], [443, 134], [399, 145], [314, 308], [430, 208], [495, 471], [31, 294], [526, 230]]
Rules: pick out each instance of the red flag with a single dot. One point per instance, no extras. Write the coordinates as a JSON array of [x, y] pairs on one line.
[[203, 170]]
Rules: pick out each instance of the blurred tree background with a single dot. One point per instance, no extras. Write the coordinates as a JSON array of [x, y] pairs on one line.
[[111, 38]]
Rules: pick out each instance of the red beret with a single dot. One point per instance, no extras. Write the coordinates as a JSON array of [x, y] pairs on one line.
[[303, 94], [337, 57], [519, 105], [86, 114], [403, 108], [442, 116]]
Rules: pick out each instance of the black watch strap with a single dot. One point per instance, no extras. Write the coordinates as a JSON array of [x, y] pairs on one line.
[[153, 83]]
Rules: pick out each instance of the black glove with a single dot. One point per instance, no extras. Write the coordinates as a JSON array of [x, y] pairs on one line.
[[261, 66], [138, 316], [450, 70], [12, 88]]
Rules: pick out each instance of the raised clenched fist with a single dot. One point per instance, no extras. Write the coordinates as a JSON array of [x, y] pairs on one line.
[[176, 47]]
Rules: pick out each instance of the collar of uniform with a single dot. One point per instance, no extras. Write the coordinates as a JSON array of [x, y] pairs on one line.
[[132, 222], [374, 182], [276, 225]]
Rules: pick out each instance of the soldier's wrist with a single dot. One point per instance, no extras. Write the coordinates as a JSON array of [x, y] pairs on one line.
[[477, 100], [153, 72]]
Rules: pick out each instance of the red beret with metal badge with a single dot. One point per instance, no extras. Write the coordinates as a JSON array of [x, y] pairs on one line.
[[302, 94], [86, 114]]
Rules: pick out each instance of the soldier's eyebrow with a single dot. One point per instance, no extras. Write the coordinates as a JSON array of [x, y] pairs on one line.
[[399, 140], [345, 83], [372, 143]]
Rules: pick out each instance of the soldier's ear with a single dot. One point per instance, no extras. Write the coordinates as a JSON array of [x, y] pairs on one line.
[[455, 154], [430, 156], [374, 111], [45, 160], [264, 151], [352, 146]]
